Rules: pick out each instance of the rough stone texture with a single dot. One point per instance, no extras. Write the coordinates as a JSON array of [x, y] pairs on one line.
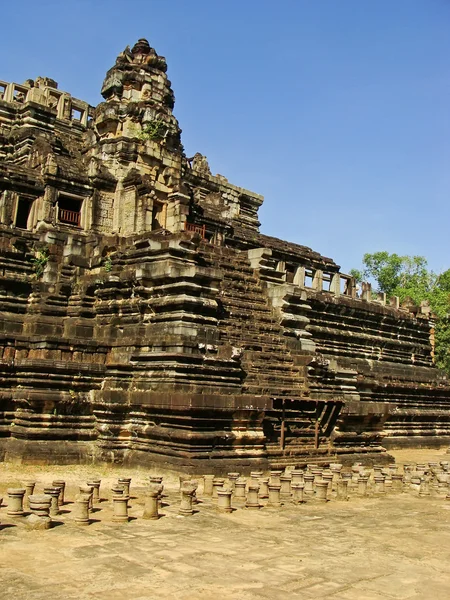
[[144, 318]]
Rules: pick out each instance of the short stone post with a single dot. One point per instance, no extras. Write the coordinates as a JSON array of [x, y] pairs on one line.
[[297, 493], [183, 478], [29, 490], [39, 507], [275, 477], [59, 483], [285, 490], [328, 477], [264, 487], [274, 496], [187, 491], [321, 490], [256, 475], [117, 490], [363, 480], [81, 510], [297, 477], [217, 484], [253, 496], [336, 469], [151, 502], [239, 489], [120, 508], [415, 483], [15, 502], [309, 484], [379, 485], [342, 489], [232, 478], [95, 485], [87, 489], [125, 482], [224, 500], [208, 485], [424, 489], [397, 482], [53, 492]]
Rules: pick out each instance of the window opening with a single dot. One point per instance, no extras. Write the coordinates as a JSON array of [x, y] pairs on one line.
[[69, 211], [23, 212]]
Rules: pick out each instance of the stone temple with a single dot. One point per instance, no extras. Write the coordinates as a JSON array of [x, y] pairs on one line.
[[144, 318]]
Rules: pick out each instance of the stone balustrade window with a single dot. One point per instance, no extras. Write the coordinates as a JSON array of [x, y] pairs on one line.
[[69, 211]]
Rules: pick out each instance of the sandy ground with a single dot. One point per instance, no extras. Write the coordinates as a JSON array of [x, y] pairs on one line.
[[370, 548]]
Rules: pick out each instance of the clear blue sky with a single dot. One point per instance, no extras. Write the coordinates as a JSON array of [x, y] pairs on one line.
[[337, 111]]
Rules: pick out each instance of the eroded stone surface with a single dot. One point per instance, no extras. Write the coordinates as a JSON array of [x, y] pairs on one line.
[[139, 300]]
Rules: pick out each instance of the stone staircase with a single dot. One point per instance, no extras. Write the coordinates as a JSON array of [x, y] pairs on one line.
[[247, 323]]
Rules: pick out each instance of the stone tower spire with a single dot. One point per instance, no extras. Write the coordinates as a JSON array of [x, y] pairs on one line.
[[139, 99]]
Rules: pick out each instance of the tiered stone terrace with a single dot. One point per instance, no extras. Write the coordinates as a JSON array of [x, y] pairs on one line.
[[144, 317]]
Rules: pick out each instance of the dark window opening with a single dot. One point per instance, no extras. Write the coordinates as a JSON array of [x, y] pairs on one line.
[[23, 212], [69, 211], [157, 215], [290, 273]]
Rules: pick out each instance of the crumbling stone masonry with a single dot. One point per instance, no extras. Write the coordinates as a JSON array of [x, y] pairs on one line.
[[144, 318]]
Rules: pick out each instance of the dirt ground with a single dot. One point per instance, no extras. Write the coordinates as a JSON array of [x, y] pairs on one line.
[[397, 546]]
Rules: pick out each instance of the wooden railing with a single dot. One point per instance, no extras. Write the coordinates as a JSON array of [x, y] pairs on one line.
[[201, 229], [71, 217]]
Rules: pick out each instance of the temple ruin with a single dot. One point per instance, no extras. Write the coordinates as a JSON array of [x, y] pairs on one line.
[[144, 318]]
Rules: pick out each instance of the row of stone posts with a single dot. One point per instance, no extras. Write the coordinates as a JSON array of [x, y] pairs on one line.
[[294, 486]]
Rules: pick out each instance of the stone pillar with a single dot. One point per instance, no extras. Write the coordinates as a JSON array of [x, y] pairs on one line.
[[87, 489], [208, 485], [274, 495], [379, 485], [321, 490], [29, 490], [363, 480], [342, 489], [309, 484], [232, 478], [424, 487], [297, 477], [285, 490], [336, 469], [183, 478], [415, 483], [151, 502], [297, 492], [275, 477], [53, 492], [15, 502], [187, 491], [264, 487], [39, 507], [125, 482], [81, 509], [95, 485], [217, 484], [397, 482], [224, 500], [239, 490], [59, 483], [117, 490], [328, 477], [256, 475], [253, 496], [120, 508]]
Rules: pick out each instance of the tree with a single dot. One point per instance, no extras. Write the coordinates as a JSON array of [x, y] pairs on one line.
[[409, 277]]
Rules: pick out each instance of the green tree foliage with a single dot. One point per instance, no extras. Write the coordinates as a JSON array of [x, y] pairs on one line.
[[409, 278]]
